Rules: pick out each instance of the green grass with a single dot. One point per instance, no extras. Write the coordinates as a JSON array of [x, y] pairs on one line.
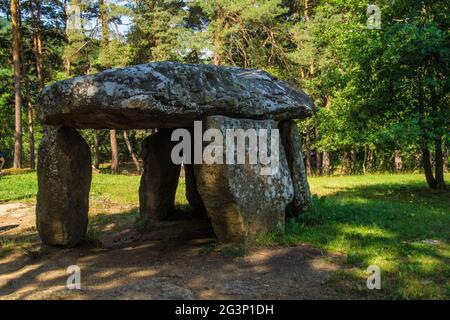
[[392, 221], [384, 220], [18, 187], [121, 189]]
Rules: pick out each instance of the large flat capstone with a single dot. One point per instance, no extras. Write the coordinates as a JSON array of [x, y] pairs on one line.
[[169, 94]]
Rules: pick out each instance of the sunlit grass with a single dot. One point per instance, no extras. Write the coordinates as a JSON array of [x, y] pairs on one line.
[[392, 221], [116, 188], [18, 187], [121, 189]]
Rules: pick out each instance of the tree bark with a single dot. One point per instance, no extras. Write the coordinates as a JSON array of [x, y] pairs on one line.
[[31, 137], [353, 154], [114, 151], [105, 47], [306, 10], [96, 150], [15, 11], [439, 165], [218, 41], [426, 160], [326, 163], [105, 29], [364, 160], [344, 163], [370, 160], [318, 155], [398, 161], [26, 81], [132, 154], [446, 155], [67, 63], [35, 11], [308, 152]]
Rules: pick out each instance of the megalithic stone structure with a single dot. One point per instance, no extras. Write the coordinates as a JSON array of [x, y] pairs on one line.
[[166, 95]]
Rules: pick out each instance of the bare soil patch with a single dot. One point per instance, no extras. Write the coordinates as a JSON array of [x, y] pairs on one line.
[[170, 261]]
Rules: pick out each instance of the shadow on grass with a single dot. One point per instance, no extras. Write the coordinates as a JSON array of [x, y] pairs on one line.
[[405, 229]]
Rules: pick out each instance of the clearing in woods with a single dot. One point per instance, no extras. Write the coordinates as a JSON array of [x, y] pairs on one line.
[[392, 221]]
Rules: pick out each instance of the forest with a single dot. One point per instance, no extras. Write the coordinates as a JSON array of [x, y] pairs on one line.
[[377, 72], [359, 209]]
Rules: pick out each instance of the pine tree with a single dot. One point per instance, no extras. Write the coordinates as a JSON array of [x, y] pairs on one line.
[[15, 11]]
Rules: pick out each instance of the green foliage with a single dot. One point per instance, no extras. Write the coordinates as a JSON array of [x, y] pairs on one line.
[[378, 92]]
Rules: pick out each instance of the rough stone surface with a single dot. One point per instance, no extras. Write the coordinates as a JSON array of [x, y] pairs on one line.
[[239, 200], [64, 178], [168, 94], [291, 141], [160, 177]]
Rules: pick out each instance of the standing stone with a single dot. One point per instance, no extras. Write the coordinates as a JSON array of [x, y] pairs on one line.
[[240, 201], [64, 179], [159, 180], [292, 144]]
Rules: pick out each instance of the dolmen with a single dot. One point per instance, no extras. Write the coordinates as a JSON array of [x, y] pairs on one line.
[[232, 129]]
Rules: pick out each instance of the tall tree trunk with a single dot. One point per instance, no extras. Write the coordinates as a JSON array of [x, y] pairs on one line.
[[31, 137], [67, 63], [398, 161], [17, 95], [132, 154], [364, 160], [381, 156], [446, 155], [353, 154], [105, 29], [326, 156], [306, 10], [370, 160], [439, 165], [96, 150], [308, 151], [426, 159], [35, 11], [218, 41], [326, 163], [344, 163], [105, 47], [318, 155], [114, 151], [26, 82]]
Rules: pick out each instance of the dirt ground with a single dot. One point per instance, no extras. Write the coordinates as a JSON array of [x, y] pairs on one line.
[[172, 261]]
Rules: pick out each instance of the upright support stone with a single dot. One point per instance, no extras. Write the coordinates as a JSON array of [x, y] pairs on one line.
[[160, 177], [292, 144], [64, 179], [242, 200]]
